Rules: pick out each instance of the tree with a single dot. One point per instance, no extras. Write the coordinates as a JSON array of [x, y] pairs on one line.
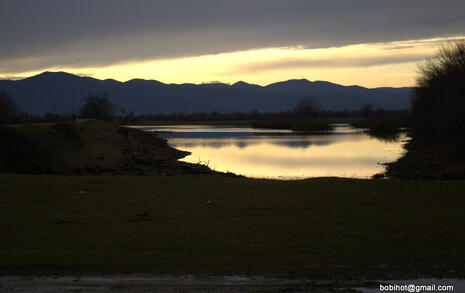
[[306, 107], [9, 110], [438, 107], [98, 106], [366, 110], [438, 113]]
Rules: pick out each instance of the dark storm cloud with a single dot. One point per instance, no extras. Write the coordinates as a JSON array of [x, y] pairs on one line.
[[36, 34]]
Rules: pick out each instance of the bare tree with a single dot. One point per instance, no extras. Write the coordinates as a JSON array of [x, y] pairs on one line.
[[98, 106], [366, 111], [438, 107], [307, 106], [438, 111]]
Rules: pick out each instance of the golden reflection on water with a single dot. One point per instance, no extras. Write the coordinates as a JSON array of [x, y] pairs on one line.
[[346, 154]]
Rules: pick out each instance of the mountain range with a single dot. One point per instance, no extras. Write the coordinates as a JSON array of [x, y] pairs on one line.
[[63, 92]]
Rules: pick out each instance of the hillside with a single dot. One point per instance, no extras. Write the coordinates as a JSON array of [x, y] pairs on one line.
[[88, 147], [63, 92]]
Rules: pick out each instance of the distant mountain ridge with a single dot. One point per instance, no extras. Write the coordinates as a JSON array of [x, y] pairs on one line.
[[63, 92]]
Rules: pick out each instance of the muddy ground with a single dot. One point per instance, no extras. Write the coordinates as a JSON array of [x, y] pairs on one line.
[[169, 284]]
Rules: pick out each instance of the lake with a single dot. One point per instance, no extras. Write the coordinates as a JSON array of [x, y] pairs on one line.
[[283, 154]]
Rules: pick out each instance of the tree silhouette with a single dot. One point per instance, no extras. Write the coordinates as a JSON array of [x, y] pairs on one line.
[[366, 111], [438, 108], [307, 107], [438, 112], [9, 110], [98, 106]]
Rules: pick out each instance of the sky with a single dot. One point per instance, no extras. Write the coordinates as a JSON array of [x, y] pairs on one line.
[[364, 42]]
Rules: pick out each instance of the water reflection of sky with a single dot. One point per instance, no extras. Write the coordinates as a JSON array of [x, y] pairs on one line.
[[211, 128], [264, 153]]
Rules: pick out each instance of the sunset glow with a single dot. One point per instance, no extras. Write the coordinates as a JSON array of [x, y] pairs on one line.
[[370, 65]]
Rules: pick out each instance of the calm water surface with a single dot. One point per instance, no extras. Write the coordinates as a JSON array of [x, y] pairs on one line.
[[283, 154]]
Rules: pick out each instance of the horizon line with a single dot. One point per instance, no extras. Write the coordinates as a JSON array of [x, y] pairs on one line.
[[10, 78]]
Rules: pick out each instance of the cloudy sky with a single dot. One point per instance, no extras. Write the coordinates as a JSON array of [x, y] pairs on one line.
[[366, 42]]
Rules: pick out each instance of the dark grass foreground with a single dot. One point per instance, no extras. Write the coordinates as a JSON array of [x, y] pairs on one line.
[[320, 228]]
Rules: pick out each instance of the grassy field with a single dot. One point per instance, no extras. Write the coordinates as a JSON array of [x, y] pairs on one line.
[[321, 228]]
